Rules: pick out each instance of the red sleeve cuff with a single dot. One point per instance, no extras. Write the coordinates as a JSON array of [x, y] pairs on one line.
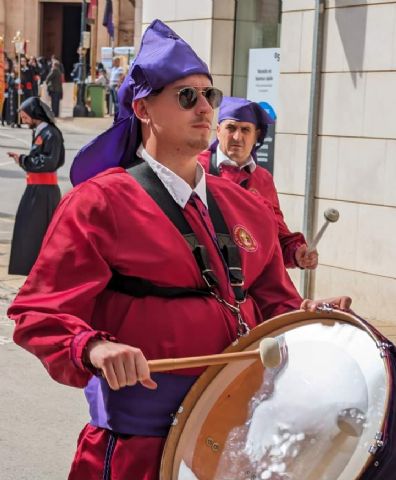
[[81, 341], [289, 254]]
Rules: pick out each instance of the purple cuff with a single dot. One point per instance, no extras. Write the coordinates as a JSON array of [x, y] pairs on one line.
[[137, 410], [80, 342]]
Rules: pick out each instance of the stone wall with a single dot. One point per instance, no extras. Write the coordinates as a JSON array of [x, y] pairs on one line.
[[207, 25], [24, 15], [357, 145]]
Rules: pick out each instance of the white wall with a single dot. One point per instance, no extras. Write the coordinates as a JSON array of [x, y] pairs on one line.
[[207, 25], [357, 145]]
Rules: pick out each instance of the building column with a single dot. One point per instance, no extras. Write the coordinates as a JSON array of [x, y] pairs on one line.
[[2, 19]]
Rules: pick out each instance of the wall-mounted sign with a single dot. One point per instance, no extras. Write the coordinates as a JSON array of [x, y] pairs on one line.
[[263, 83], [86, 40]]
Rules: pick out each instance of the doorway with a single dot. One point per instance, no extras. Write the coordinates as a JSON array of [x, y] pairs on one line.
[[61, 25]]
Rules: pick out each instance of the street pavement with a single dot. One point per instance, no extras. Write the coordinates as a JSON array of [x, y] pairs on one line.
[[39, 419]]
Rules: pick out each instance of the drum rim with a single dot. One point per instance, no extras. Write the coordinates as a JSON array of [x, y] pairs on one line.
[[266, 328]]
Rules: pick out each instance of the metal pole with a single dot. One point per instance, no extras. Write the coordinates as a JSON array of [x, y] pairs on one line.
[[94, 42], [80, 109], [312, 150]]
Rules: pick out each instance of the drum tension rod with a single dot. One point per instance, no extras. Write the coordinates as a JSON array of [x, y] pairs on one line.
[[383, 348], [325, 308], [378, 443]]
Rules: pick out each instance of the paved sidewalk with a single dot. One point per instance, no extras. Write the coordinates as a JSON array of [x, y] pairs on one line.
[[9, 284], [85, 125]]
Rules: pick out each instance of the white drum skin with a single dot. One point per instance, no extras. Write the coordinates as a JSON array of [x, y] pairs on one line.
[[313, 418]]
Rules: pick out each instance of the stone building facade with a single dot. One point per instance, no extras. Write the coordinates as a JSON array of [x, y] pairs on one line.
[[356, 150], [54, 26]]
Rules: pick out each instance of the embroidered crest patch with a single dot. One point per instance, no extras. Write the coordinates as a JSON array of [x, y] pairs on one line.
[[244, 239], [38, 140]]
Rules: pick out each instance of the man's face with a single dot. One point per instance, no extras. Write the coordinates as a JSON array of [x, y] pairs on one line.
[[236, 139], [25, 118], [178, 128]]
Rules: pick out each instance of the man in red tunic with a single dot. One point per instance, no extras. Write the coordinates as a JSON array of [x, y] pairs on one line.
[[120, 281], [241, 130]]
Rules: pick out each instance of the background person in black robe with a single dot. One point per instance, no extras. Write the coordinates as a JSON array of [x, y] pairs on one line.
[[10, 107], [42, 193], [54, 86], [27, 79]]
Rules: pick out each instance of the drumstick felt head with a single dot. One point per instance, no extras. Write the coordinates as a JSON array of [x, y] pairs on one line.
[[270, 352], [331, 215], [351, 421]]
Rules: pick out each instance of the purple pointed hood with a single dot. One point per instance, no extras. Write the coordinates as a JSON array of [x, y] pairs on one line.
[[163, 58], [242, 110]]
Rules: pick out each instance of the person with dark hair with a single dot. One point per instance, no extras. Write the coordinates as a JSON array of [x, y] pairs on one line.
[[6, 73], [148, 257], [10, 105], [43, 68], [54, 87], [241, 130], [36, 75], [54, 58], [42, 193], [27, 79]]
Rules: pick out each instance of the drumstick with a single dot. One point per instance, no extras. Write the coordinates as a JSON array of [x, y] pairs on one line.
[[268, 352], [331, 216]]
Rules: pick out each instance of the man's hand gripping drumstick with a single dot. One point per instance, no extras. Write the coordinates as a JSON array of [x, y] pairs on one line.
[[268, 352], [122, 365], [331, 215], [307, 255]]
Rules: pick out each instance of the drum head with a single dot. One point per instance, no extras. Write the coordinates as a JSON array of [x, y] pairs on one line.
[[314, 417]]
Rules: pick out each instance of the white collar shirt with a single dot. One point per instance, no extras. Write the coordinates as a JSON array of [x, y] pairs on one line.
[[178, 188], [222, 158]]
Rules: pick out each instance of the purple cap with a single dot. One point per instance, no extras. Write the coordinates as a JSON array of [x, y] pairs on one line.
[[242, 110], [162, 59]]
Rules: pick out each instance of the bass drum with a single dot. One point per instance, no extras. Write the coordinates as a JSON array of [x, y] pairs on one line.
[[326, 413]]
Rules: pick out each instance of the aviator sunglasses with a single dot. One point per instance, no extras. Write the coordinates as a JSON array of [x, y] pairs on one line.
[[188, 96]]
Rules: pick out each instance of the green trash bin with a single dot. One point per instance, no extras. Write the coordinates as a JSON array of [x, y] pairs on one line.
[[96, 95]]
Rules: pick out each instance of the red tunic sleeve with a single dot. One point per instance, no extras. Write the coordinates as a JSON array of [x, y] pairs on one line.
[[54, 307], [288, 240], [275, 297]]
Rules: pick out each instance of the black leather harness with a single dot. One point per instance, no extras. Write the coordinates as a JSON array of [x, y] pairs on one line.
[[140, 287]]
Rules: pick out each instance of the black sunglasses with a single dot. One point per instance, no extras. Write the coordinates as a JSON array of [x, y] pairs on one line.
[[188, 96]]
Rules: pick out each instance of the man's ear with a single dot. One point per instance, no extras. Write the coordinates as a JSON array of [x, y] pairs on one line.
[[218, 131], [140, 108]]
